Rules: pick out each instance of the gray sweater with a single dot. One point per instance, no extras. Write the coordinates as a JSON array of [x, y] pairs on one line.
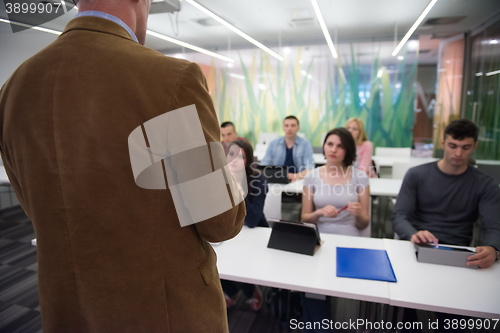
[[448, 205]]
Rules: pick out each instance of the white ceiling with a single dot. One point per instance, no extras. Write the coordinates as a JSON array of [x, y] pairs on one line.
[[269, 21]]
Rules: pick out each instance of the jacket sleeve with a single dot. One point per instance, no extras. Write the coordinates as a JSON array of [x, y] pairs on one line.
[[405, 205], [192, 89]]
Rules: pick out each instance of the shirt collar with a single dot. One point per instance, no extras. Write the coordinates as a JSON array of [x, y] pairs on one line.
[[296, 143], [111, 18]]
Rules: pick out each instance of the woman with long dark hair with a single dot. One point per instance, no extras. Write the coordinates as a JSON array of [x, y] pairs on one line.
[[254, 201]]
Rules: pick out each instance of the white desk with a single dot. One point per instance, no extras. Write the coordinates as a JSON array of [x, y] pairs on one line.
[[319, 159], [378, 186], [388, 161], [246, 258], [489, 162], [458, 290], [440, 288]]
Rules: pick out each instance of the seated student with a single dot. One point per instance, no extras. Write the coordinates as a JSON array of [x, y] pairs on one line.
[[291, 151], [228, 134], [440, 201], [330, 188], [254, 201], [364, 148], [336, 197]]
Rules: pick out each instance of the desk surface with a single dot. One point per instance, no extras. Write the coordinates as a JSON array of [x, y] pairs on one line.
[[378, 186], [388, 161], [471, 292], [246, 258], [458, 290]]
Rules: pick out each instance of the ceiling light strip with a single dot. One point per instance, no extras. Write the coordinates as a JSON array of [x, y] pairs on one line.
[[414, 27], [189, 46], [50, 31], [234, 29], [324, 28]]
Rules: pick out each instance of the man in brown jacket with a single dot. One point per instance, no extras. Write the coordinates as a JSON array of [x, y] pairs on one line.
[[112, 255]]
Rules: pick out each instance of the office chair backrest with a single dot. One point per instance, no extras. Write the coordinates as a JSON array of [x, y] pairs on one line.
[[393, 152], [399, 169], [272, 205]]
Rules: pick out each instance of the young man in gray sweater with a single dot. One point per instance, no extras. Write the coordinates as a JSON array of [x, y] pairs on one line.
[[440, 201]]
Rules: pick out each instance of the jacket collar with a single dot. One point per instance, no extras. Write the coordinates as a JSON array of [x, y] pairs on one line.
[[92, 23]]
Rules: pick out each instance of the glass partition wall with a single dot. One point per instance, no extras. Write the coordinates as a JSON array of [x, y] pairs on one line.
[[482, 90]]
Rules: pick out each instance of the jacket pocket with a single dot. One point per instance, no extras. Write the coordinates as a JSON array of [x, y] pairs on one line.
[[208, 265]]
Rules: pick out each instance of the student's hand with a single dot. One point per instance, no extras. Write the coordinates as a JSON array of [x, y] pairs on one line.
[[423, 236], [328, 211], [485, 257], [354, 208], [293, 177]]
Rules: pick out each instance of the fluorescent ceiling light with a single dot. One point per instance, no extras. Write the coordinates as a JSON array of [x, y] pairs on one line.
[[50, 31], [493, 73], [413, 27], [493, 41], [237, 76], [234, 29], [479, 74], [324, 28], [189, 46]]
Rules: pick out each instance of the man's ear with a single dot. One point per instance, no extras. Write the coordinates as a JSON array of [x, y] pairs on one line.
[[475, 144]]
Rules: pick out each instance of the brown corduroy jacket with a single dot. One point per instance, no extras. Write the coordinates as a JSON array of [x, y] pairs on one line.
[[112, 256]]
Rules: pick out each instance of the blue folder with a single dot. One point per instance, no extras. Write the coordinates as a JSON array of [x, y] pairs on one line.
[[364, 264]]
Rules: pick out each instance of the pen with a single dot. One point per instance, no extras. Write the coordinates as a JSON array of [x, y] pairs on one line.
[[343, 208]]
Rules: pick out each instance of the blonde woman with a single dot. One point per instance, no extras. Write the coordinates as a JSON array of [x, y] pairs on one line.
[[364, 147]]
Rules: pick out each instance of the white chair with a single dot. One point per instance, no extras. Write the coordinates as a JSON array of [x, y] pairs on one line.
[[266, 138], [393, 152], [399, 169], [301, 134], [272, 205], [260, 151]]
